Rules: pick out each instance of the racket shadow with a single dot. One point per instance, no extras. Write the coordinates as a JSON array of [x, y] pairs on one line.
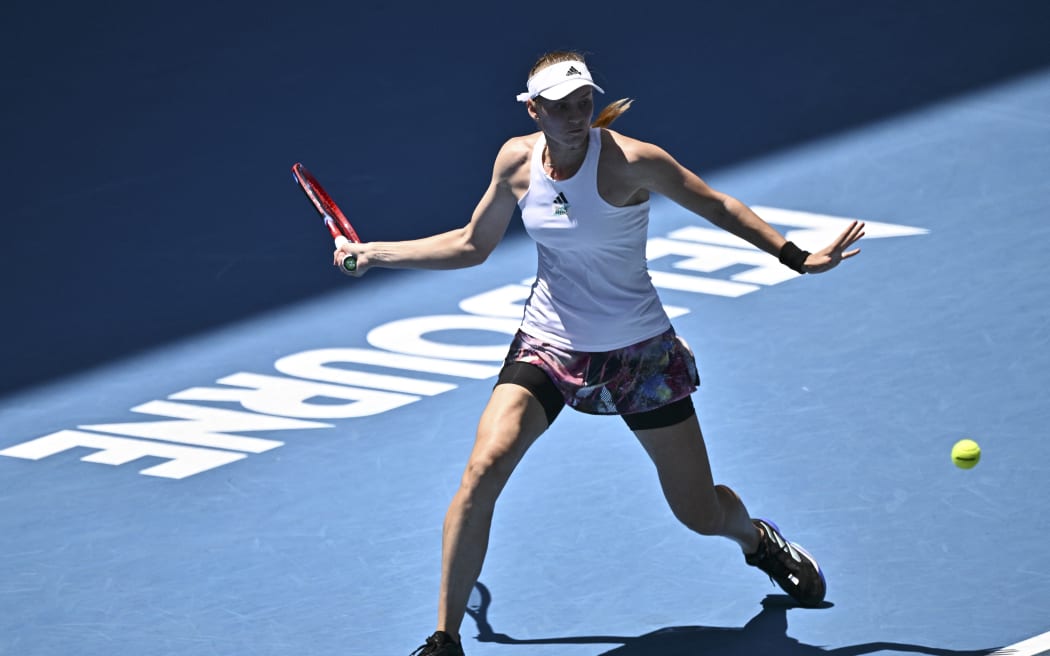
[[765, 633]]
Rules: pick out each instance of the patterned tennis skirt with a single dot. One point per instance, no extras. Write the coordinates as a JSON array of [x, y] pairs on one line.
[[636, 378]]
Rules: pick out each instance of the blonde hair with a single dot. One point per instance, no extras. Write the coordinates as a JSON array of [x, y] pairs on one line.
[[605, 117]]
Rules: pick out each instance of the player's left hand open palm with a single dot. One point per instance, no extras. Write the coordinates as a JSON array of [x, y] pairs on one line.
[[829, 257]]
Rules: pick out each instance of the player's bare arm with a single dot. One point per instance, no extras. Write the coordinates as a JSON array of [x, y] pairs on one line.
[[659, 172], [461, 247]]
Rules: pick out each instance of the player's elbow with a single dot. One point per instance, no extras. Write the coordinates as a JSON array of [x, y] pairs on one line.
[[471, 253], [728, 208], [473, 249], [473, 256], [723, 211]]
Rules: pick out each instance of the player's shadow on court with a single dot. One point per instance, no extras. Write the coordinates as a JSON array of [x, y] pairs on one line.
[[765, 633]]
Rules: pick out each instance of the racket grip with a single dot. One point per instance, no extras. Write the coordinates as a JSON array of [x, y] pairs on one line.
[[350, 261]]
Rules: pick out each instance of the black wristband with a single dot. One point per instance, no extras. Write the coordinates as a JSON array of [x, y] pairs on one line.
[[793, 257]]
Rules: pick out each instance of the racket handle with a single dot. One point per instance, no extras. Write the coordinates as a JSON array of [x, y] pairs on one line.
[[350, 261]]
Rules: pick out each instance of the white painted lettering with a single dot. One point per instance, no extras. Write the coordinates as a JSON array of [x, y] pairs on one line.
[[204, 426], [699, 284], [316, 365], [506, 301], [182, 461], [764, 269], [289, 397], [818, 230], [407, 336]]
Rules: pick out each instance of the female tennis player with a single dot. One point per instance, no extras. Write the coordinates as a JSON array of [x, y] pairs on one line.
[[594, 334]]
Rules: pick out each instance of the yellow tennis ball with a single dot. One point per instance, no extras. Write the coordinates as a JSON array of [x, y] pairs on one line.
[[966, 454]]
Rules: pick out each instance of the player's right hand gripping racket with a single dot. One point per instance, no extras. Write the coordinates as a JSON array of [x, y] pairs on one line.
[[333, 217]]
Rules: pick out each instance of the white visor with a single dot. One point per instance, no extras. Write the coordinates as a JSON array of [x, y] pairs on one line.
[[558, 80]]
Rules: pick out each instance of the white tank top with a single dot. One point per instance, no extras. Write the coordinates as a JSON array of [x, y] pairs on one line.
[[592, 289]]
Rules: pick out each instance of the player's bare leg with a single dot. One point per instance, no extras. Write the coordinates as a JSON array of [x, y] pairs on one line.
[[682, 464], [680, 456], [511, 422]]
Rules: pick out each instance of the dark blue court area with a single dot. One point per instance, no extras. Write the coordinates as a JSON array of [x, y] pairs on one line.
[[211, 443]]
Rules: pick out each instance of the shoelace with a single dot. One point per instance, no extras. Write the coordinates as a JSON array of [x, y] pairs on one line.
[[432, 645], [425, 648]]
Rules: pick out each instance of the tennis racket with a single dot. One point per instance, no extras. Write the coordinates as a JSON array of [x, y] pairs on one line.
[[334, 219]]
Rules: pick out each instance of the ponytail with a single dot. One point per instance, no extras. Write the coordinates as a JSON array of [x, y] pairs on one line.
[[612, 112]]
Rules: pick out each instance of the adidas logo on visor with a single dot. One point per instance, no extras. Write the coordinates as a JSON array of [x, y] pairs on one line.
[[561, 79]]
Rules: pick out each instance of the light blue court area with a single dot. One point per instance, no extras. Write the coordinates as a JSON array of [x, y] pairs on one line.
[[277, 486]]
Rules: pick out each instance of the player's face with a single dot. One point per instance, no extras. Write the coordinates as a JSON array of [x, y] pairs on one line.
[[567, 120]]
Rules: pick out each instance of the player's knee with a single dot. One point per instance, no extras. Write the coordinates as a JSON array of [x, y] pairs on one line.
[[485, 476]]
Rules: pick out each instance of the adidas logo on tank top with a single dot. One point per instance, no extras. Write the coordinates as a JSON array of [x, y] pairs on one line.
[[560, 206]]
